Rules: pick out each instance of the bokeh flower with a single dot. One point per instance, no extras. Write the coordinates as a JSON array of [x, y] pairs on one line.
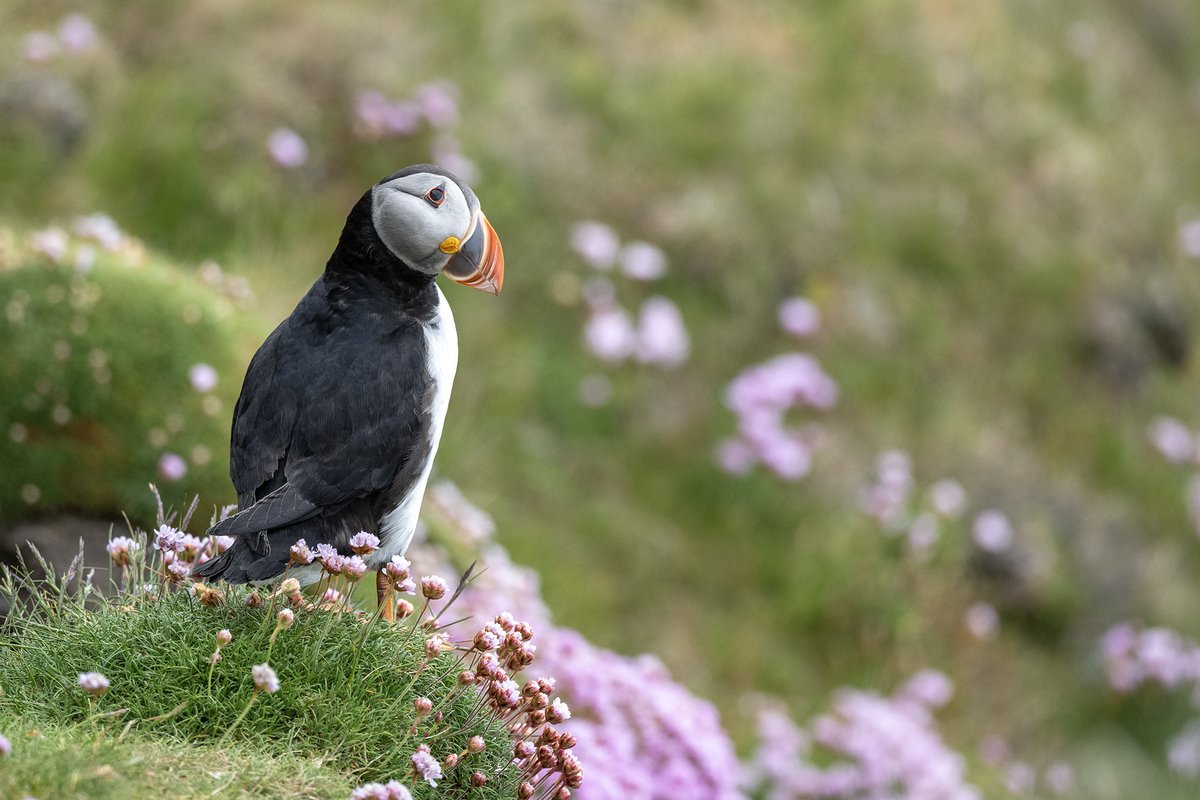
[[287, 148], [799, 316], [203, 377], [93, 683], [265, 679]]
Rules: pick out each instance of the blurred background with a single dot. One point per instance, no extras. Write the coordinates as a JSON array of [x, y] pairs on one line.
[[839, 341]]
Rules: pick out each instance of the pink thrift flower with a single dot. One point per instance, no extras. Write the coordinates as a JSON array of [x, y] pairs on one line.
[[982, 621], [93, 683], [397, 568], [610, 334], [224, 637], [596, 243], [434, 587], [992, 531], [799, 316], [202, 377], [1189, 235], [426, 766], [353, 567], [168, 539], [172, 467], [77, 34], [662, 337], [265, 679], [1172, 439], [438, 103], [643, 261], [299, 553], [287, 148], [40, 46], [948, 498], [363, 543], [120, 549]]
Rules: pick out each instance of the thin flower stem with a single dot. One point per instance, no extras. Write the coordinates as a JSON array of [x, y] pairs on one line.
[[238, 721]]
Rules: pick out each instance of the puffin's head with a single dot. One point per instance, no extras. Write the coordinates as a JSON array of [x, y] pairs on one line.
[[431, 221]]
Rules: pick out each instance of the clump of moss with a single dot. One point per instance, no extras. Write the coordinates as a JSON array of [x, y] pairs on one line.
[[117, 365]]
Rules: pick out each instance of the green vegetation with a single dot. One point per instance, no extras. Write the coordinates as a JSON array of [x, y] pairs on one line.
[[94, 385], [985, 203], [343, 713]]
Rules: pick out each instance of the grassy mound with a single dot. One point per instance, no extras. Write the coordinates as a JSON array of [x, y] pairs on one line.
[[117, 366], [343, 713]]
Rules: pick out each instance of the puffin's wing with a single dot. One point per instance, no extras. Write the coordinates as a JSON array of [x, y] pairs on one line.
[[322, 422], [283, 506]]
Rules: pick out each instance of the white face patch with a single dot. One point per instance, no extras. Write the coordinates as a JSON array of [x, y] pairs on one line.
[[412, 227]]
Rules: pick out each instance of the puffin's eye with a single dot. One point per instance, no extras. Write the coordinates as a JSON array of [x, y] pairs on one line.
[[435, 196]]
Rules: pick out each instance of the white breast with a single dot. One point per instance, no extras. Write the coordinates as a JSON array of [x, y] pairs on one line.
[[441, 347]]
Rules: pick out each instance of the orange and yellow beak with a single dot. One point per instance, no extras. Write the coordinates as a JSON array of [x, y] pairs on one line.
[[479, 261]]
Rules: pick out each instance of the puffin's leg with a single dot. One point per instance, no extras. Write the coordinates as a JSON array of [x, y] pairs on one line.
[[385, 596]]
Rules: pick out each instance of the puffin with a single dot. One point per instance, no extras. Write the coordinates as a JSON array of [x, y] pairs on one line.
[[342, 407]]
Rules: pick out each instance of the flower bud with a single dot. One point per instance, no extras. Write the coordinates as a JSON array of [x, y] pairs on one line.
[[451, 761], [422, 705], [403, 608], [285, 619], [525, 791], [433, 587], [478, 779], [476, 744]]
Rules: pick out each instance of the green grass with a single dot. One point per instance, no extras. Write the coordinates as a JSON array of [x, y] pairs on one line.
[[985, 210], [343, 715]]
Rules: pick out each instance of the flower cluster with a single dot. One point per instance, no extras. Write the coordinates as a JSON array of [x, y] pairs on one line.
[[641, 733], [891, 499], [178, 552], [1134, 656], [75, 34], [431, 106], [657, 335], [882, 747], [765, 398]]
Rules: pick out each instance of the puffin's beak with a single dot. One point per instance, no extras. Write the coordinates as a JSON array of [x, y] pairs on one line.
[[480, 260]]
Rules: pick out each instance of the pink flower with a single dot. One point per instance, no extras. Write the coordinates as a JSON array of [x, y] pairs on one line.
[[661, 335], [929, 687], [265, 679], [426, 766], [438, 103], [172, 467], [178, 570], [363, 543], [992, 531], [202, 377], [287, 148], [5, 746], [168, 539], [299, 553], [948, 498], [224, 637], [1172, 439], [353, 568], [596, 243], [610, 334], [643, 261], [1189, 236], [77, 34], [982, 621], [93, 683], [799, 316], [397, 568], [120, 549], [40, 46], [434, 587]]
